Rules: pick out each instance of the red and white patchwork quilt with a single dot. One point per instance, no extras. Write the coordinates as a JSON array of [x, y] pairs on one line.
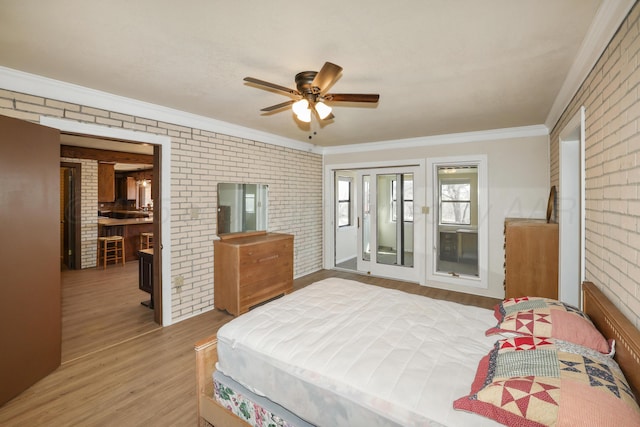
[[532, 381]]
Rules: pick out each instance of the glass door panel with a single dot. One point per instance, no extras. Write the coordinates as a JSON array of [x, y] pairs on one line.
[[366, 219], [387, 228], [395, 219]]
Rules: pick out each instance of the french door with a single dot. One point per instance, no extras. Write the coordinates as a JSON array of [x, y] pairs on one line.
[[390, 230]]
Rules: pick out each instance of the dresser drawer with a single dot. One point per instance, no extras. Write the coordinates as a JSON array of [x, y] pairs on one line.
[[251, 270], [261, 258]]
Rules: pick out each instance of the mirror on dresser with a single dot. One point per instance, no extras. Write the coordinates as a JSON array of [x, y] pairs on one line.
[[242, 207]]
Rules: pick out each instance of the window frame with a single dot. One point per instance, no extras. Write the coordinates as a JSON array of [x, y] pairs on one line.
[[433, 194], [348, 201]]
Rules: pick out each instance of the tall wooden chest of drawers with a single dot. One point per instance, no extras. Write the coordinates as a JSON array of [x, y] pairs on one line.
[[531, 258], [251, 269]]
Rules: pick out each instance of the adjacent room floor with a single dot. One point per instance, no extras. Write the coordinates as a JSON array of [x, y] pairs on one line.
[[101, 308]]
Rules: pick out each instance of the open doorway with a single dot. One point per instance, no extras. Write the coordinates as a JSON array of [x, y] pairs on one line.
[[102, 306], [346, 220], [572, 210]]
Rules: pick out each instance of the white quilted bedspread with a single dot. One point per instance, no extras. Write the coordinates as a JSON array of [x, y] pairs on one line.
[[343, 353]]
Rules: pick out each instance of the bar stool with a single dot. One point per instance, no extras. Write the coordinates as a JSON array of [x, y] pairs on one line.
[[146, 241], [110, 248]]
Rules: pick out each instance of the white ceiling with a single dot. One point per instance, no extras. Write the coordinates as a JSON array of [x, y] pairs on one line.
[[440, 66]]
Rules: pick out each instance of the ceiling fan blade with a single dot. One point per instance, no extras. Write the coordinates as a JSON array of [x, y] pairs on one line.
[[271, 86], [326, 76], [279, 106], [352, 97]]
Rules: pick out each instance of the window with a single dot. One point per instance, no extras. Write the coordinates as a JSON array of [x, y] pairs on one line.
[[455, 201], [408, 198], [250, 203], [459, 239], [345, 194]]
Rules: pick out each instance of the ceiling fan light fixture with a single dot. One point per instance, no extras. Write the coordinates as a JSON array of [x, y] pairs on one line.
[[300, 107], [311, 91], [304, 116], [323, 110]]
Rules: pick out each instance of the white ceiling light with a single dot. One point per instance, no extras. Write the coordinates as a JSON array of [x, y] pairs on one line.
[[323, 110], [302, 111], [304, 116], [300, 106]]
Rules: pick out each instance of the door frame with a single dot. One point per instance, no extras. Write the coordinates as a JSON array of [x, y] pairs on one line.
[[571, 211], [163, 315]]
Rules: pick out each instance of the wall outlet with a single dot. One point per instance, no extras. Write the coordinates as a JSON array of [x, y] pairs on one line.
[[195, 213], [178, 282]]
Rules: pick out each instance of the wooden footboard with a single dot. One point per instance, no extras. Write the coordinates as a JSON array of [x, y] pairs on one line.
[[209, 411], [614, 325]]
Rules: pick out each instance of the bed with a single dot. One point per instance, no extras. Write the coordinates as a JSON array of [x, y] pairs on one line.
[[367, 378]]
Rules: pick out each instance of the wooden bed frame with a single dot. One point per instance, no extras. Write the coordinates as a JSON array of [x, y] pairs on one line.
[[210, 412], [607, 318], [614, 325]]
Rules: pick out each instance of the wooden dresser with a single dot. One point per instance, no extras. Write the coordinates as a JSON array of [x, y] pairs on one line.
[[531, 258], [250, 269]]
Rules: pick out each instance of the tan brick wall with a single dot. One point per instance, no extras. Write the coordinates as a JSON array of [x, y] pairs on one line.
[[610, 97], [199, 161]]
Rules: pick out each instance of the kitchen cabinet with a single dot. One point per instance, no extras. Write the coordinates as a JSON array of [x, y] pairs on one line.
[[106, 182], [126, 187], [132, 188]]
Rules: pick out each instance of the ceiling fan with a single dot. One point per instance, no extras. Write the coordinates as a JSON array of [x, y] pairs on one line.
[[311, 93]]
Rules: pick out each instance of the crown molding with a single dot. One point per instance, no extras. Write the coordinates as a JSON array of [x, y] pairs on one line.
[[608, 19], [32, 84], [452, 138]]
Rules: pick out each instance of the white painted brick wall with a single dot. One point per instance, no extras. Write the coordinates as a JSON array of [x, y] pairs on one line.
[[199, 161], [610, 97]]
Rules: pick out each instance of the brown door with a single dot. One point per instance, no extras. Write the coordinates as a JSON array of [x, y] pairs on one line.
[[70, 215], [30, 297]]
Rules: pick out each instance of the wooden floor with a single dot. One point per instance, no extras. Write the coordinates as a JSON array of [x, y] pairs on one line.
[[101, 308], [120, 370]]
